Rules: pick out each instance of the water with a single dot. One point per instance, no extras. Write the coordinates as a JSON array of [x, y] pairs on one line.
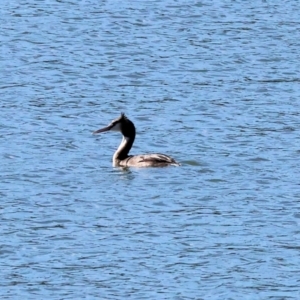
[[215, 84]]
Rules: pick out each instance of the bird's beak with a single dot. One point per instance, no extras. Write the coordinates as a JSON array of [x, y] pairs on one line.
[[107, 128]]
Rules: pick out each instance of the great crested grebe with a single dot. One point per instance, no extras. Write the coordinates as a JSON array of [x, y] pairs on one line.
[[121, 157]]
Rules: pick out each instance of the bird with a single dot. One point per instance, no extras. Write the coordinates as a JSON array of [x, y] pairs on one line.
[[121, 157]]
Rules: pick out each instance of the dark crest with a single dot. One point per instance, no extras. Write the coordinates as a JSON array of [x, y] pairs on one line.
[[123, 116]]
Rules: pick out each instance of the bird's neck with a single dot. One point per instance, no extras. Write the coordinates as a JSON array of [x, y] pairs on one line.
[[124, 148]]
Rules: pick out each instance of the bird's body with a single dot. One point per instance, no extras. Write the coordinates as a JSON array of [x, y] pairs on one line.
[[122, 158]]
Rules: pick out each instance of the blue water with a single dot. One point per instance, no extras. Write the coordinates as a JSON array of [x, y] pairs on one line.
[[214, 84]]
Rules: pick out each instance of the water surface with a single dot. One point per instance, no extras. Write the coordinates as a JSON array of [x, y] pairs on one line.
[[213, 84]]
